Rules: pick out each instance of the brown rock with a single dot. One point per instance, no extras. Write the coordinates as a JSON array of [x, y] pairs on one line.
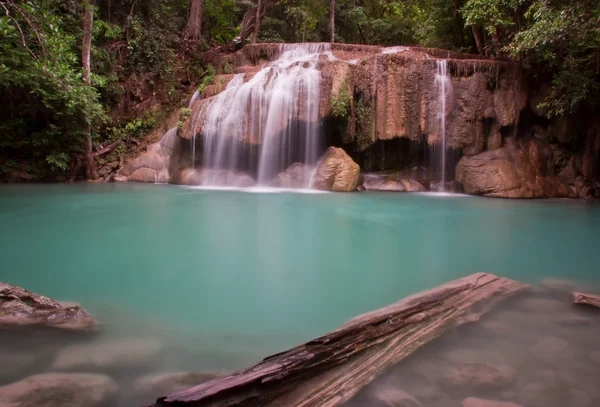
[[517, 170], [336, 172], [475, 402], [21, 308]]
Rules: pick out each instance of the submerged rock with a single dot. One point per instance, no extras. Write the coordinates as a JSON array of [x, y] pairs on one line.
[[551, 348], [59, 390], [392, 397], [21, 308], [296, 175], [336, 172], [478, 369], [475, 402], [169, 383], [107, 354]]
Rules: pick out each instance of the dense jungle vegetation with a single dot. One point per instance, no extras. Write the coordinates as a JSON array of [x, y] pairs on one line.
[[79, 79]]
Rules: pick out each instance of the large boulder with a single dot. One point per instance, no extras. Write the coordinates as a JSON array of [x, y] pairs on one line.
[[517, 170], [119, 354], [21, 308], [336, 172], [59, 390]]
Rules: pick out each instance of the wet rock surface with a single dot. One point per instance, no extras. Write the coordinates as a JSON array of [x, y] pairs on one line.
[[59, 390], [336, 172], [534, 350], [20, 308]]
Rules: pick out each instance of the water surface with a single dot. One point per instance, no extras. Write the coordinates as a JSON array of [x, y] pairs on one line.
[[224, 278]]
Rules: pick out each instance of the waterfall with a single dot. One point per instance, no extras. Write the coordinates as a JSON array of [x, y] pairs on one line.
[[266, 123], [194, 98], [442, 82]]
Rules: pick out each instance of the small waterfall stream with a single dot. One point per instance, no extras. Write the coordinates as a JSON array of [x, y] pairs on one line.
[[264, 124], [442, 81]]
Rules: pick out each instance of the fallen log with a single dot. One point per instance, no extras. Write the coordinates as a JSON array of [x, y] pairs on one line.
[[587, 299], [329, 370]]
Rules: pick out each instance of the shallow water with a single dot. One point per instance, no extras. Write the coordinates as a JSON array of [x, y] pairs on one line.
[[535, 350], [223, 278]]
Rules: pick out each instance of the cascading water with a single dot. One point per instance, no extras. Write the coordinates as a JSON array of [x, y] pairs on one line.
[[442, 82], [268, 122]]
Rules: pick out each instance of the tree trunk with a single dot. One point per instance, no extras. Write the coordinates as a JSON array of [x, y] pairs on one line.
[[88, 22], [587, 299], [330, 370], [256, 22], [193, 29], [477, 39], [332, 19]]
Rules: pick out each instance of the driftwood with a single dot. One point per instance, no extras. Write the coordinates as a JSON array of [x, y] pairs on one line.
[[329, 370], [587, 299]]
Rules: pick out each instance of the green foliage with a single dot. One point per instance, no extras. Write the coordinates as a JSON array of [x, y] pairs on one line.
[[340, 105], [184, 113], [564, 38], [560, 38], [364, 120], [209, 78]]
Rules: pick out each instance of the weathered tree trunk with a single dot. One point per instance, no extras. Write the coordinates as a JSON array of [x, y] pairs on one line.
[[256, 21], [193, 28], [330, 370], [88, 23], [477, 37], [587, 299], [332, 19]]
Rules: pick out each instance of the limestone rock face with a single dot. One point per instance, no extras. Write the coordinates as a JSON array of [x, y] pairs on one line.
[[336, 172], [107, 354], [517, 170], [168, 383], [155, 164], [21, 308], [296, 175], [59, 390]]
